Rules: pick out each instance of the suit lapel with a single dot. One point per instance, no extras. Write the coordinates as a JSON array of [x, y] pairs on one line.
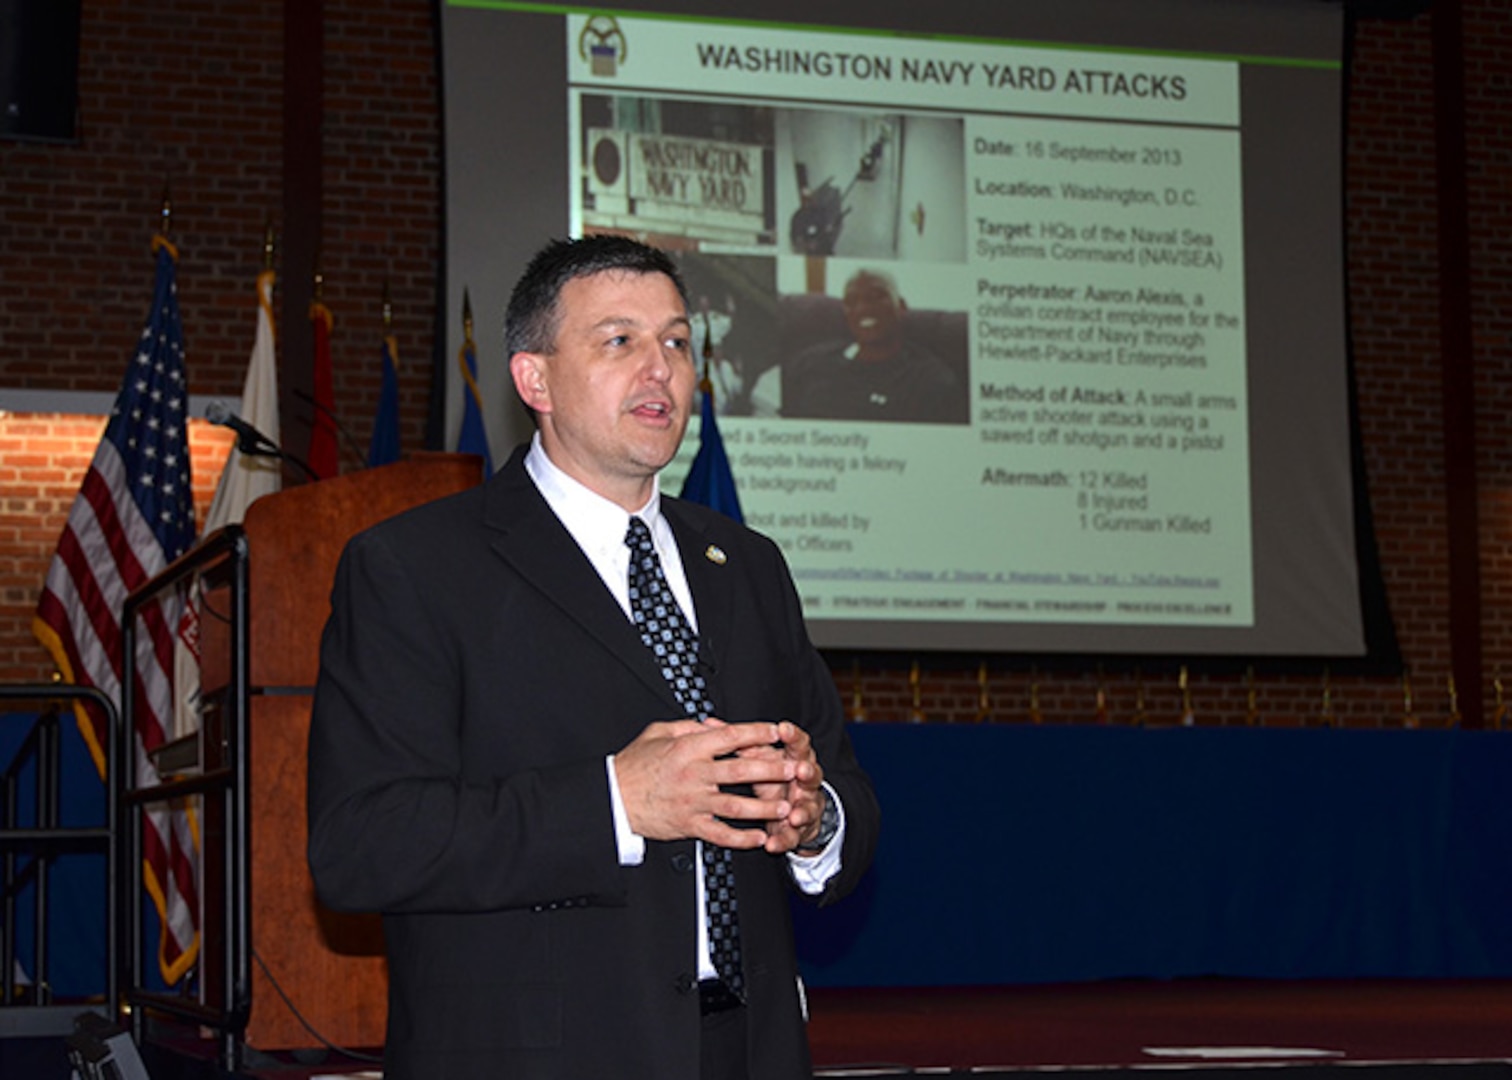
[[532, 540]]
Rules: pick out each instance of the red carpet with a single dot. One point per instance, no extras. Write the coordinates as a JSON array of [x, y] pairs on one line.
[[1390, 1030], [1115, 1024]]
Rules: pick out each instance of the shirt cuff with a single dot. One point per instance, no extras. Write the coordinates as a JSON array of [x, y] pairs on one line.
[[811, 873], [631, 845]]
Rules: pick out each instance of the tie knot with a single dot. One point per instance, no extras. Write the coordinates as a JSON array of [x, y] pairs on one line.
[[637, 536]]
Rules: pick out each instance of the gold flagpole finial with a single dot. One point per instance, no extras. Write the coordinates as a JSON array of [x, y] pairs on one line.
[[1101, 713], [268, 245], [467, 318], [1035, 716], [1454, 712], [1188, 718], [1409, 719], [916, 716], [317, 278]]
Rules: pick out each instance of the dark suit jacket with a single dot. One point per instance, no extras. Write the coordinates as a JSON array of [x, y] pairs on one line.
[[474, 674]]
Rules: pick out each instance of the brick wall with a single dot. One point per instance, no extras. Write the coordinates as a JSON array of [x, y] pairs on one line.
[[43, 457], [186, 93], [1488, 33]]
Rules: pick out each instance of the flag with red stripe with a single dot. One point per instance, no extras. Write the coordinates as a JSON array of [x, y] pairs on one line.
[[134, 514], [324, 461]]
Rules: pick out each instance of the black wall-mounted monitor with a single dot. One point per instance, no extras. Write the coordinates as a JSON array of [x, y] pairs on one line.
[[39, 69]]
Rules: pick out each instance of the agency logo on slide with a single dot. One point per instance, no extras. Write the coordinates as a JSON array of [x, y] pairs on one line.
[[602, 44]]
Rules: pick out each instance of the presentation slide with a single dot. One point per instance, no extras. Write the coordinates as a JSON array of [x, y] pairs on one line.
[[1014, 345]]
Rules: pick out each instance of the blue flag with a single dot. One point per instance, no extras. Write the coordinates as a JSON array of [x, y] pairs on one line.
[[710, 481], [472, 439], [384, 447]]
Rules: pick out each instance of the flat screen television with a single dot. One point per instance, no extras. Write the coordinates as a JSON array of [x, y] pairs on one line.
[[39, 69]]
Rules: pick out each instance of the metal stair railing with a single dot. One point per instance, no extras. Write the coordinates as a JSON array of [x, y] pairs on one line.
[[43, 1016], [219, 774]]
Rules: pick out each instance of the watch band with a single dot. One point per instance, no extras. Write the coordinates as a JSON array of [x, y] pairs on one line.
[[829, 825]]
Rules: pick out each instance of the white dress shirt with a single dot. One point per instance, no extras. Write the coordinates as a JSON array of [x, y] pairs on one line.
[[599, 525]]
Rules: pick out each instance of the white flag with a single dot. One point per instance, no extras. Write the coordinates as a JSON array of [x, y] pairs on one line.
[[246, 478]]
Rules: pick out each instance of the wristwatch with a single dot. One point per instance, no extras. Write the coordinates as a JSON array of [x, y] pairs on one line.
[[829, 825]]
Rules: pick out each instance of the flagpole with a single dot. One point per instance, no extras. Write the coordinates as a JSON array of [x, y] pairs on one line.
[[133, 516], [247, 476], [322, 454], [472, 437], [383, 443], [709, 481]]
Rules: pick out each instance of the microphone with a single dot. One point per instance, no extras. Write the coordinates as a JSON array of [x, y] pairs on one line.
[[249, 440], [351, 443]]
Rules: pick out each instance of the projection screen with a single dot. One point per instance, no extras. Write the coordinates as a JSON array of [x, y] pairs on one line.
[[1027, 319]]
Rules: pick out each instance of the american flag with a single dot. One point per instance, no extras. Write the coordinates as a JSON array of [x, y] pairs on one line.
[[134, 514]]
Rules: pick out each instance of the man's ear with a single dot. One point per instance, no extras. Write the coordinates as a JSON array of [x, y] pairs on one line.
[[529, 373]]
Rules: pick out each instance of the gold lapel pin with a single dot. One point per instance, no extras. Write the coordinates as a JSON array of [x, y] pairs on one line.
[[715, 554]]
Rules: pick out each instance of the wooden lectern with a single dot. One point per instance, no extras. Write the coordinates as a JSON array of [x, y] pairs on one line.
[[331, 966]]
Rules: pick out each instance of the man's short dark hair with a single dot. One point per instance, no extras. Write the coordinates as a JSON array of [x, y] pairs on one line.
[[532, 318]]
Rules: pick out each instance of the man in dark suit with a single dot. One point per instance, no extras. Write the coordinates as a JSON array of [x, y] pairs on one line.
[[499, 764]]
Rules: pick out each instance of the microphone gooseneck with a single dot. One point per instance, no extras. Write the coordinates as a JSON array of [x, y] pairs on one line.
[[249, 440]]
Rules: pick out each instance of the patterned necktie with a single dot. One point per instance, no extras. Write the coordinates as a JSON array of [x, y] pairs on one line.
[[667, 634]]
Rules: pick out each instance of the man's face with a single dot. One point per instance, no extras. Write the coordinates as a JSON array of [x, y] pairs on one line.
[[614, 395], [874, 312]]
